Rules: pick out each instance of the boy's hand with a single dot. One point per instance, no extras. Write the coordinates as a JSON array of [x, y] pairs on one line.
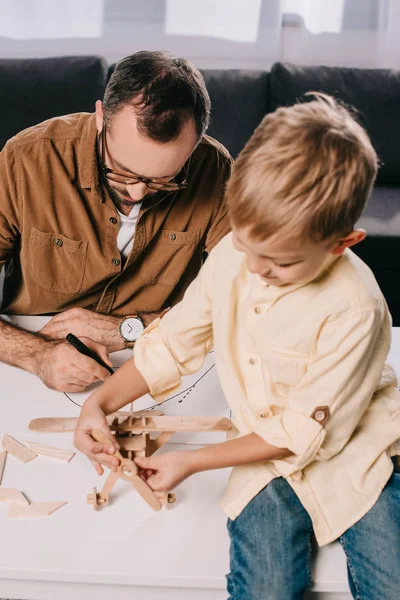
[[164, 472], [91, 418]]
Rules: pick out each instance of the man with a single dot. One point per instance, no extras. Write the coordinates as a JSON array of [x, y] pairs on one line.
[[104, 218]]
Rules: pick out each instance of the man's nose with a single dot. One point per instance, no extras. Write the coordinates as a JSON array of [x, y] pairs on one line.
[[137, 191]]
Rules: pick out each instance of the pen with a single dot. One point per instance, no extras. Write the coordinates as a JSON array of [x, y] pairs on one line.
[[83, 349]]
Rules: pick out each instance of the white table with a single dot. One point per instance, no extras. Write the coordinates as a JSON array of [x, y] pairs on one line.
[[125, 550]]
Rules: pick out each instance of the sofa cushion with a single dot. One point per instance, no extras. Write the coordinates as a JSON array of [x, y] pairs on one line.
[[382, 217], [375, 93], [33, 90], [238, 103]]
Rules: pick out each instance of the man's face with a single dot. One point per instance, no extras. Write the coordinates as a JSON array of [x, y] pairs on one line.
[[128, 152], [282, 261]]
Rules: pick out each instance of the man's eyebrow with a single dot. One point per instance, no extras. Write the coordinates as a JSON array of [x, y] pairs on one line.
[[128, 171]]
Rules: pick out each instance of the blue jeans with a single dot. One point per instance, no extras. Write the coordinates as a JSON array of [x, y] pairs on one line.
[[270, 554]]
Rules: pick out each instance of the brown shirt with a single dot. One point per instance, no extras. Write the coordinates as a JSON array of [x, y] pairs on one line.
[[59, 227]]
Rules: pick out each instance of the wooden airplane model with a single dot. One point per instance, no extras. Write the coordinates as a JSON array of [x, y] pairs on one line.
[[134, 432]]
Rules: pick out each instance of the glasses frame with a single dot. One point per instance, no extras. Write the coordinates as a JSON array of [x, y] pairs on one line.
[[152, 184]]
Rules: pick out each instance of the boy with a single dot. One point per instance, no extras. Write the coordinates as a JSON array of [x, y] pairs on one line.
[[301, 333]]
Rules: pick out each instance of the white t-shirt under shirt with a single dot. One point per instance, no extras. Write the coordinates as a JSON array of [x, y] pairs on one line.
[[126, 234]]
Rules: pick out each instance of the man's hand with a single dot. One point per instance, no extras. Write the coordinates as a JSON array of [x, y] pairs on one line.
[[164, 472], [91, 418], [61, 367], [103, 329]]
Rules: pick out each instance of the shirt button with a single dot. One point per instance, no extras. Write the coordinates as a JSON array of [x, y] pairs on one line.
[[257, 310], [252, 361], [172, 237], [115, 262], [263, 415], [319, 415], [58, 242], [113, 220]]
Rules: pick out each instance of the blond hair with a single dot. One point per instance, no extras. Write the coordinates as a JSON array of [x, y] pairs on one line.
[[307, 170]]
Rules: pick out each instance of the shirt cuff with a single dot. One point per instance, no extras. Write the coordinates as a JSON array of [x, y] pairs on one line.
[[156, 364], [292, 430]]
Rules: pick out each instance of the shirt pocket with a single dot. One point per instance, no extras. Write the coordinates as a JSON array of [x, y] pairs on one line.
[[57, 263], [168, 256], [284, 370]]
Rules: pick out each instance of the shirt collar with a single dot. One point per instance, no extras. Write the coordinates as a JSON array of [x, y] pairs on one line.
[[89, 175]]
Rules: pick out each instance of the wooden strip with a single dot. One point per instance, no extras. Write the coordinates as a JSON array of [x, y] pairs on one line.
[[3, 456], [57, 424], [174, 423], [68, 424], [11, 495], [33, 511], [19, 451], [51, 452]]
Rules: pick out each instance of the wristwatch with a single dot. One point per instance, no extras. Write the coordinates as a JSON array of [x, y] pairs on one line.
[[130, 329]]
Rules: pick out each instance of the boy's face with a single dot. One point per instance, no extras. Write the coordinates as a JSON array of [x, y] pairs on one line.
[[281, 261]]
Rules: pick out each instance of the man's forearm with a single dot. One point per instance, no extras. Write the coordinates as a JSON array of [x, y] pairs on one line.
[[20, 348], [248, 449]]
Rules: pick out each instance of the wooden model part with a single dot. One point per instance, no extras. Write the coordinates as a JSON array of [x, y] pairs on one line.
[[13, 496], [3, 456], [148, 423], [33, 511], [141, 421], [18, 450], [132, 432], [126, 470], [68, 424], [51, 452]]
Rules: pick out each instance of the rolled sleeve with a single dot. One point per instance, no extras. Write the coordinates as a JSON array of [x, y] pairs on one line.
[[300, 434], [325, 408]]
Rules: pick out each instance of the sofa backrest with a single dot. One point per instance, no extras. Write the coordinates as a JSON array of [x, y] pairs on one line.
[[33, 90], [375, 93], [239, 100]]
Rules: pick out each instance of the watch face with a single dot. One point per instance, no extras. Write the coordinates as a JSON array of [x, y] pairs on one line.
[[131, 329]]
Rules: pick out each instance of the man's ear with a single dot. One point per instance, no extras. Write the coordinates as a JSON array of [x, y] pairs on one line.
[[99, 115], [353, 238]]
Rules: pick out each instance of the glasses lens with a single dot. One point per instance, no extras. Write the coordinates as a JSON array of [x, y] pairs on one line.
[[153, 185], [171, 186]]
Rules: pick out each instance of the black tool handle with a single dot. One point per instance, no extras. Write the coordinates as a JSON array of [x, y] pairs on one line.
[[83, 349]]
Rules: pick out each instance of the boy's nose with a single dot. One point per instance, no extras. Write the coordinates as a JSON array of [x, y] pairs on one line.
[[254, 265]]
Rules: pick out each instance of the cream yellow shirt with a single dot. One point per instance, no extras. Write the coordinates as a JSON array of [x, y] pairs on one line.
[[303, 366]]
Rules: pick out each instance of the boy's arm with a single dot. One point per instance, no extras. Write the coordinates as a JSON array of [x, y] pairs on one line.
[[325, 408], [125, 386], [168, 348], [166, 471]]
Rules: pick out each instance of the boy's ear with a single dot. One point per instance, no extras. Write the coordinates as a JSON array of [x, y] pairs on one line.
[[353, 238]]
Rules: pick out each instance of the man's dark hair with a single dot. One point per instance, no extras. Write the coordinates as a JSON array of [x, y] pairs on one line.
[[164, 91]]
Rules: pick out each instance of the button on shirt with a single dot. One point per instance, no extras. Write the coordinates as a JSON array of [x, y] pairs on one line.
[[307, 372]]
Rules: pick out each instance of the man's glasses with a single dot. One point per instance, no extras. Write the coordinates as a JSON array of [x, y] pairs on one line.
[[153, 184]]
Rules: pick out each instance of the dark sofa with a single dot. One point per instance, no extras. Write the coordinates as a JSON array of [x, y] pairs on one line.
[[32, 90]]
